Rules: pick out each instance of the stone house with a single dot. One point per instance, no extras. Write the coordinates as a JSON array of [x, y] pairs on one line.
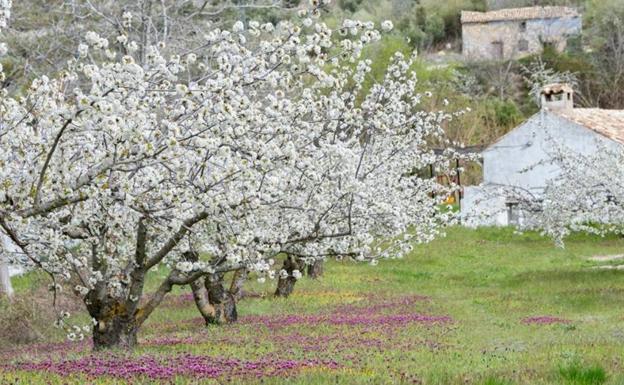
[[516, 32], [520, 159]]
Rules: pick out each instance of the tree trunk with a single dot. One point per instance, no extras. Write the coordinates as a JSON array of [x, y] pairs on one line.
[[221, 299], [236, 288], [285, 286], [115, 329], [316, 269], [5, 279], [6, 289], [215, 304], [202, 301]]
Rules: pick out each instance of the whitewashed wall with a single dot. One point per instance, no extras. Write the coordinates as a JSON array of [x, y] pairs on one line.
[[520, 159]]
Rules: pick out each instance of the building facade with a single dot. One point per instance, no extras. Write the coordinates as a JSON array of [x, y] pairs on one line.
[[520, 159], [516, 32]]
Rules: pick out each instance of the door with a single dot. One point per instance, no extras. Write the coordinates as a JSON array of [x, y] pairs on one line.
[[497, 50]]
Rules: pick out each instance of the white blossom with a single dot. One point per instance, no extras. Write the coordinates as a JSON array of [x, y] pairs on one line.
[[238, 27], [255, 151], [387, 25]]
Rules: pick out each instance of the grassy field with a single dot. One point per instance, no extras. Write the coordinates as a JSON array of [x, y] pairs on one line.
[[477, 307]]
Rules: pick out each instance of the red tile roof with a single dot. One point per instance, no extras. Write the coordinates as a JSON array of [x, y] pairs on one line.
[[609, 123]]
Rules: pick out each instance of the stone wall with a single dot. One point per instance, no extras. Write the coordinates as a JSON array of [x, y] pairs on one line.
[[498, 40]]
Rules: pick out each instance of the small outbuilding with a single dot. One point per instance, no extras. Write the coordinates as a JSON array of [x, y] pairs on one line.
[[515, 32], [520, 159]]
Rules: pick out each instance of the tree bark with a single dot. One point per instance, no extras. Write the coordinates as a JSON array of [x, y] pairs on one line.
[[115, 328], [6, 289], [221, 299], [202, 301], [236, 288], [316, 269], [216, 304], [285, 286]]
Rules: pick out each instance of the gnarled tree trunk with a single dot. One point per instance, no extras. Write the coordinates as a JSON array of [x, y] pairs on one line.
[[236, 288], [222, 300], [316, 269], [115, 328], [216, 304], [200, 296], [285, 286]]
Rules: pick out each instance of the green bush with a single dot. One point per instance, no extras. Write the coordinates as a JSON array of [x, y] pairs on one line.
[[504, 112]]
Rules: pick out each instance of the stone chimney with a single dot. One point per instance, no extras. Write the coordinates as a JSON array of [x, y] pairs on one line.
[[557, 97]]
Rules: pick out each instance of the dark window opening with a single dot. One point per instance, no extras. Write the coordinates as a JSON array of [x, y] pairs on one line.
[[513, 213], [497, 49], [555, 97], [523, 26]]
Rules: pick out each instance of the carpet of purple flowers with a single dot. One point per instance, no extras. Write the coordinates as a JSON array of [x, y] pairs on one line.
[[373, 324], [474, 308]]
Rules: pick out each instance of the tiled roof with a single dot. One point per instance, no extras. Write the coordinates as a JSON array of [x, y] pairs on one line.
[[609, 123], [518, 14]]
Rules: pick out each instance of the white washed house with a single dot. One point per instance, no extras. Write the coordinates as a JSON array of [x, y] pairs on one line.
[[520, 158]]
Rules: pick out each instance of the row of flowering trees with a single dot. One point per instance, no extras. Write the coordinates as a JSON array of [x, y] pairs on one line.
[[260, 142], [252, 142]]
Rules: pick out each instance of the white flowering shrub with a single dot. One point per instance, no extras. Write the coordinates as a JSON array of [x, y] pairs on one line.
[[587, 195], [537, 75], [5, 12], [260, 143]]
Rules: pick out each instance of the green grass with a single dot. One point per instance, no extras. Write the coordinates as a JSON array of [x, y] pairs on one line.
[[577, 374], [487, 280]]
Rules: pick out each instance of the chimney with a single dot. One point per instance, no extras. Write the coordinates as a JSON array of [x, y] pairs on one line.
[[557, 97]]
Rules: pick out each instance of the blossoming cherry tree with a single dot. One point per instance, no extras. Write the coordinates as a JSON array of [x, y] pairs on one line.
[[263, 142]]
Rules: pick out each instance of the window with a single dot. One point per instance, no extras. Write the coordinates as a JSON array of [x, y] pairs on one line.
[[513, 213], [552, 97], [523, 45], [523, 26], [497, 49]]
